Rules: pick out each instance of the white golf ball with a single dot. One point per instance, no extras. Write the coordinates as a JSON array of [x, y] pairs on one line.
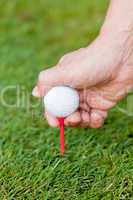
[[61, 101]]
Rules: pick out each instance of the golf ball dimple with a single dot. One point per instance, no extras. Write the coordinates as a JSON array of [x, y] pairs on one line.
[[61, 101]]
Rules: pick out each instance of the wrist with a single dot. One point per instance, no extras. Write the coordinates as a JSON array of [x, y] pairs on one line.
[[122, 41], [124, 28], [119, 19]]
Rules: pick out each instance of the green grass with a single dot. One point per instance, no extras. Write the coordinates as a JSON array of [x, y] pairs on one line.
[[98, 164]]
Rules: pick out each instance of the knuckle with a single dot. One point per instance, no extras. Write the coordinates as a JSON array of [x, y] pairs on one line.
[[81, 49], [62, 59]]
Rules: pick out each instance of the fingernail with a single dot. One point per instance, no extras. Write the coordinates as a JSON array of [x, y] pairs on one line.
[[35, 92]]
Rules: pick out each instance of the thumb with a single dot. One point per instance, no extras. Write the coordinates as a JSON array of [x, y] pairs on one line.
[[54, 76]]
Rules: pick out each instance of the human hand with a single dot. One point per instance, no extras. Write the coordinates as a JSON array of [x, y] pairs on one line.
[[102, 73]]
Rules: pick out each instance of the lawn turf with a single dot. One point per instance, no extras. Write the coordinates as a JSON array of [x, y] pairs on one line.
[[98, 164]]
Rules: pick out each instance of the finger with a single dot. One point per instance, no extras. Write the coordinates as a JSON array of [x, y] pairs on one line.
[[53, 77], [85, 119], [35, 92], [73, 120], [102, 113], [53, 122], [82, 95], [96, 119], [97, 101], [121, 85], [47, 79], [84, 106]]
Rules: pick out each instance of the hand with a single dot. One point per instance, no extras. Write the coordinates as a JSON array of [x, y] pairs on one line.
[[101, 72]]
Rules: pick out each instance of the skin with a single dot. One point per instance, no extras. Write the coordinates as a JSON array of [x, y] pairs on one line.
[[102, 72]]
